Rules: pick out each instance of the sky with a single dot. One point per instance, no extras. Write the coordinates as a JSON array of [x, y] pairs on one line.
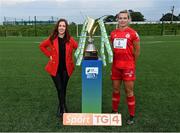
[[77, 10]]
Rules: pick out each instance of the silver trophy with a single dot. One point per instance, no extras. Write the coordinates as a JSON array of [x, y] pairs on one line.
[[90, 52]]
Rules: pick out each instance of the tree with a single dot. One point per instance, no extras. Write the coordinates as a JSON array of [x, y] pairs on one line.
[[110, 18], [136, 16], [179, 17], [168, 17], [72, 23]]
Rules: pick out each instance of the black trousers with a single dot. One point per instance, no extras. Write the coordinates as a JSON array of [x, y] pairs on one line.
[[61, 81]]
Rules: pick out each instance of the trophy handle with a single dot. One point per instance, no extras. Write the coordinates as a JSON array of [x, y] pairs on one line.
[[90, 25]]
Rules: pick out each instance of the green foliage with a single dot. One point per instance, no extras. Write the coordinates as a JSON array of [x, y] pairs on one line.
[[136, 16], [168, 17]]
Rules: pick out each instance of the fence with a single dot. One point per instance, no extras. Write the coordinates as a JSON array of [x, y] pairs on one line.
[[38, 26]]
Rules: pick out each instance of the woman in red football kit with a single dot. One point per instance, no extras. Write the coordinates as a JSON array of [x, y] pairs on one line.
[[58, 47], [126, 49]]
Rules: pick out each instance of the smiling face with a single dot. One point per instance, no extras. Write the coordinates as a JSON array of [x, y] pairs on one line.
[[123, 20], [61, 28]]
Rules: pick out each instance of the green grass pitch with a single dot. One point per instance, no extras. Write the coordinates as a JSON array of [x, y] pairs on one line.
[[28, 99]]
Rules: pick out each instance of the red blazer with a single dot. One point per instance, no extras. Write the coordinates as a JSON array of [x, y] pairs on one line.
[[53, 50]]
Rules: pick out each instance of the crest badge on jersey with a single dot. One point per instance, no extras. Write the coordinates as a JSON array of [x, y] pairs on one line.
[[127, 35]]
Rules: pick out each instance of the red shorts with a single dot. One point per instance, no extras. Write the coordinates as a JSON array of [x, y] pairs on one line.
[[123, 74]]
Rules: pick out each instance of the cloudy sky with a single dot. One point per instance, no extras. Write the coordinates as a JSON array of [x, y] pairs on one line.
[[77, 10]]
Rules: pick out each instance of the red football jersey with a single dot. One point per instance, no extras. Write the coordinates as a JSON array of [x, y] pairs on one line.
[[123, 47]]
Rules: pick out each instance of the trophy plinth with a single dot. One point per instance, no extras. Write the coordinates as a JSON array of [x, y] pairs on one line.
[[90, 52]]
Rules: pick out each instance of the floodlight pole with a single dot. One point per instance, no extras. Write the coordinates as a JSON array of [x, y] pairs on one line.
[[162, 26], [172, 14], [35, 30], [5, 26]]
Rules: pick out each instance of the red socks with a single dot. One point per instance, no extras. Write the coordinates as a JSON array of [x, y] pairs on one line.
[[131, 105], [115, 101]]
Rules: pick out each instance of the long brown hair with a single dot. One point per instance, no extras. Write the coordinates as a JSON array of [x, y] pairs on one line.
[[54, 34]]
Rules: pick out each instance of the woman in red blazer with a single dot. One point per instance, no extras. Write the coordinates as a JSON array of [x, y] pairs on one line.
[[58, 47]]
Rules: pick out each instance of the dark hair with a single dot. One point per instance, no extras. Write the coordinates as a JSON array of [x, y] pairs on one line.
[[54, 34]]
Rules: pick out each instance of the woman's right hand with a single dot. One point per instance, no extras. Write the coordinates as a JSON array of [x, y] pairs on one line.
[[50, 58]]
